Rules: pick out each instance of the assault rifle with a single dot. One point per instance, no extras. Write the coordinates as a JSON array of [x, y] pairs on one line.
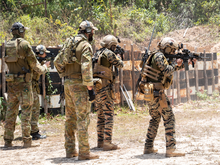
[[50, 57], [185, 56], [144, 59], [119, 50]]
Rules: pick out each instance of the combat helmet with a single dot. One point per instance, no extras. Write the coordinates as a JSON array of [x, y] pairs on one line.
[[168, 45], [108, 41], [87, 26], [18, 29]]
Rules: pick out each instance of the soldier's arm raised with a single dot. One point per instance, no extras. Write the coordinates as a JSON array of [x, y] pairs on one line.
[[115, 60]]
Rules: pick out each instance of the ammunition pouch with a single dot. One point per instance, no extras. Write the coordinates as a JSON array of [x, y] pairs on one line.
[[28, 77], [101, 71], [148, 90], [14, 78], [153, 90], [97, 83]]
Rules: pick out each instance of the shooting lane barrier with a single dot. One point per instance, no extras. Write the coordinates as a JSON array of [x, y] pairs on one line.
[[185, 84]]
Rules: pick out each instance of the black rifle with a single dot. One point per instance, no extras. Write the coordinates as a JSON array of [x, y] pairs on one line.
[[185, 56], [50, 57], [119, 50], [144, 59]]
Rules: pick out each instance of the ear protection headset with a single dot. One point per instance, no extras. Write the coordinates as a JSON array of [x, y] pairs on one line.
[[41, 50], [168, 49], [18, 26], [88, 27]]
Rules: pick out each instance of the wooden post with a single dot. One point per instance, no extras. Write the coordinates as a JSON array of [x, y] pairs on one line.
[[196, 76], [45, 6], [213, 76], [44, 94], [132, 72], [62, 99], [3, 68], [178, 87], [205, 74], [187, 86], [121, 81]]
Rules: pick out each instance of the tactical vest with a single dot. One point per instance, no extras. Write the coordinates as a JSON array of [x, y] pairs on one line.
[[103, 68], [151, 72], [15, 58], [11, 50], [68, 60]]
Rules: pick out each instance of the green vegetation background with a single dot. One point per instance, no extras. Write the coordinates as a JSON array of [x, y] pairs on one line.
[[133, 19]]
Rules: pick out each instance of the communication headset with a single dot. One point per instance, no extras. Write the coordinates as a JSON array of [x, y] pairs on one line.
[[18, 26], [88, 27]]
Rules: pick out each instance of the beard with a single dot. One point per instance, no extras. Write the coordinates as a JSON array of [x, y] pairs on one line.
[[90, 37]]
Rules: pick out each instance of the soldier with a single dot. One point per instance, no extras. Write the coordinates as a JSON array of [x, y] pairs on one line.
[[21, 62], [75, 63], [159, 104], [41, 54], [104, 104]]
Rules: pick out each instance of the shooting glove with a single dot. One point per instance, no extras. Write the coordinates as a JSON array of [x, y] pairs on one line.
[[91, 95]]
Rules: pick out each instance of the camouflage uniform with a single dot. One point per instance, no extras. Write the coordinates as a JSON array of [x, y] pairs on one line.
[[166, 113], [104, 103], [20, 91], [36, 103], [77, 107]]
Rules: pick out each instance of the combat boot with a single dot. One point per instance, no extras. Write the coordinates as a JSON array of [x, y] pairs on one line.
[[70, 155], [100, 145], [149, 150], [29, 144], [173, 153], [88, 156], [110, 146], [36, 136], [8, 144]]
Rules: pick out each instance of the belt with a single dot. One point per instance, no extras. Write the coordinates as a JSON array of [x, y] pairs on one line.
[[74, 76], [19, 76]]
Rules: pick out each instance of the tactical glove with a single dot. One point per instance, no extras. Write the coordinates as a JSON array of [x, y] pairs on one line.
[[91, 95]]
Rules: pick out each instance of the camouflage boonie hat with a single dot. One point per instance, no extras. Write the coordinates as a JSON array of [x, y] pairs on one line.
[[41, 49], [87, 24]]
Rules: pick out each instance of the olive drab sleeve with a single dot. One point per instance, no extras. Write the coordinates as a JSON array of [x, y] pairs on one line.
[[164, 66], [86, 65], [114, 60], [32, 60]]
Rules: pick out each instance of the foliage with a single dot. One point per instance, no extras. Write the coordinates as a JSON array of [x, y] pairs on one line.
[[50, 90], [202, 95], [127, 18]]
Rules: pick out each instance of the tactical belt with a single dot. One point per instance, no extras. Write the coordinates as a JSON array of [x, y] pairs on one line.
[[74, 76], [19, 76]]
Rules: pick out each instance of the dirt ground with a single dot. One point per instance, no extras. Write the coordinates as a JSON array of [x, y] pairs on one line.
[[197, 134]]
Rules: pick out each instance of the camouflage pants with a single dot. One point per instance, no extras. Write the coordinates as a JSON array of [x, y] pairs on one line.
[[104, 105], [35, 111], [169, 124], [77, 116], [18, 93]]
